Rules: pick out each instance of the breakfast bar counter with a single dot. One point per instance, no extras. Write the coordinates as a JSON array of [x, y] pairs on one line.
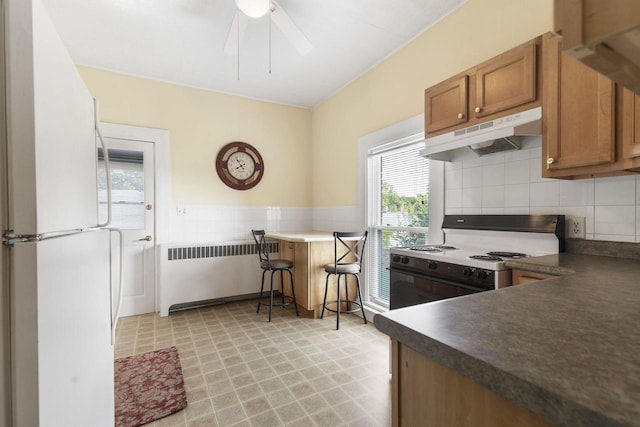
[[302, 236], [310, 251], [563, 351]]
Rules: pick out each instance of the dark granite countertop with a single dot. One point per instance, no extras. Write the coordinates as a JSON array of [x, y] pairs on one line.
[[567, 348]]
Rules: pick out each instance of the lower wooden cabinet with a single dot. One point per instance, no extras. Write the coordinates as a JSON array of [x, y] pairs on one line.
[[519, 277], [426, 393]]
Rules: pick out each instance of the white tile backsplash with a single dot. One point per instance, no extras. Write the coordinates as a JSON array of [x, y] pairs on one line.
[[493, 174], [493, 197], [517, 171], [453, 198], [453, 178], [218, 223], [471, 177], [618, 220], [544, 193], [512, 183], [616, 191], [516, 196], [471, 198], [579, 192]]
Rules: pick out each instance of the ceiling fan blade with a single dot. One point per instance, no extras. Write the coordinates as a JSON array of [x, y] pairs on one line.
[[231, 45], [290, 30]]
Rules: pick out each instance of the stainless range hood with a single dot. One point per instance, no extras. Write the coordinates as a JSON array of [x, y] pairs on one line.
[[501, 134]]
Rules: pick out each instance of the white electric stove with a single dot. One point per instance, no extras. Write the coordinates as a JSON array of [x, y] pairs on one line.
[[472, 257]]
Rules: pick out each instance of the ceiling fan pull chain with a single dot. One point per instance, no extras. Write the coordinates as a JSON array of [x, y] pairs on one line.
[[270, 12], [238, 44]]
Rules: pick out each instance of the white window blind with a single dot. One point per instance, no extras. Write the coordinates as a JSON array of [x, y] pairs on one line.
[[398, 211]]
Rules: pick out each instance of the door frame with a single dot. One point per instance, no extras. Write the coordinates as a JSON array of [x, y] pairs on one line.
[[162, 173]]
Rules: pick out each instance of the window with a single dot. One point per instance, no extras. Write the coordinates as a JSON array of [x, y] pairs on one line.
[[398, 210], [127, 189]]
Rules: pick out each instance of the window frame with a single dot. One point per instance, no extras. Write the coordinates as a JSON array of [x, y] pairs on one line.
[[397, 135]]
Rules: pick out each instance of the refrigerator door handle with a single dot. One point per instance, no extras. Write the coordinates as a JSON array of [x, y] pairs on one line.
[[107, 167], [10, 238], [115, 315]]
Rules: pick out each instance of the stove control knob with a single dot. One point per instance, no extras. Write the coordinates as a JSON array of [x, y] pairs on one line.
[[396, 258], [433, 265], [483, 274], [467, 272], [405, 260]]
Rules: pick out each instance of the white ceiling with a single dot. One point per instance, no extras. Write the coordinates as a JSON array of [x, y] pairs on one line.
[[182, 41]]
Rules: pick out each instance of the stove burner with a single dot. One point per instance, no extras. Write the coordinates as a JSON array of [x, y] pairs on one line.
[[486, 257], [508, 254], [445, 247], [425, 248]]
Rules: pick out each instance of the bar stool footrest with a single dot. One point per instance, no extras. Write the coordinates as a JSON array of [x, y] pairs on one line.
[[353, 310], [277, 303]]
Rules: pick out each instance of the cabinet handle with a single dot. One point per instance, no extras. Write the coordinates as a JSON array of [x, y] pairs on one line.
[[461, 116], [478, 109], [550, 161]]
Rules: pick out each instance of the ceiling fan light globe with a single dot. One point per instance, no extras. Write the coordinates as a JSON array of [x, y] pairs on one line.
[[254, 8]]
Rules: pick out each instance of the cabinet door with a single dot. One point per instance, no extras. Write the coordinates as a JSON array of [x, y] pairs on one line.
[[520, 277], [631, 125], [445, 104], [578, 113], [507, 81]]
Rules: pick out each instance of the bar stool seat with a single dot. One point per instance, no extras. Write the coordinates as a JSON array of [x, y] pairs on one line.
[[273, 265], [348, 249], [276, 264]]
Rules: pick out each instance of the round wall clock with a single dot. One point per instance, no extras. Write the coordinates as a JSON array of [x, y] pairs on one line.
[[239, 165]]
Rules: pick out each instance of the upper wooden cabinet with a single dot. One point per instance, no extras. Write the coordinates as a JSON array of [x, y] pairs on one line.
[[505, 84], [446, 104], [579, 113], [506, 81], [590, 124], [630, 124], [603, 34]]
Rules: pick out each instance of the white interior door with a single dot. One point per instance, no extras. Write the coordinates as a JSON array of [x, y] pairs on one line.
[[133, 207]]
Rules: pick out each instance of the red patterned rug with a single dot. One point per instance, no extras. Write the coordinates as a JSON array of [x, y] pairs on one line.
[[148, 386]]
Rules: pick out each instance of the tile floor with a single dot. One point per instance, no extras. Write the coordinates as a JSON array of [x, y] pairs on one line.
[[241, 370]]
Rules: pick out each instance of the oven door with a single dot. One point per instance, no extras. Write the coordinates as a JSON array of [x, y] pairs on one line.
[[412, 288]]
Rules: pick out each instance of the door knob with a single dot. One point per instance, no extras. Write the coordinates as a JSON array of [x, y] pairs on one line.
[[146, 238], [461, 116], [478, 109]]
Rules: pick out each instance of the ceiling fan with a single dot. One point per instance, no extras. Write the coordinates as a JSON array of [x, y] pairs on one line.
[[254, 9]]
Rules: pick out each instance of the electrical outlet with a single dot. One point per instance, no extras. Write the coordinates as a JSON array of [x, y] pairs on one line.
[[181, 210], [575, 227]]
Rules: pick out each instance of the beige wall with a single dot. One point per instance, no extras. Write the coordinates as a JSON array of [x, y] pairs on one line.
[[311, 157], [200, 123], [393, 91]]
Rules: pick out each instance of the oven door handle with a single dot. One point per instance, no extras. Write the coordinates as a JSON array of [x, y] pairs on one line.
[[439, 280]]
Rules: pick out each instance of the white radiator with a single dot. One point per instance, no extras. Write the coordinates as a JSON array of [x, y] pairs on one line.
[[198, 274]]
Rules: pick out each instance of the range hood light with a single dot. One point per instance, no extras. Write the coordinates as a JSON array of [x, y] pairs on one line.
[[485, 144]]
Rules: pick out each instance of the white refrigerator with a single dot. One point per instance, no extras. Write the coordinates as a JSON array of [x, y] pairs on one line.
[[59, 258]]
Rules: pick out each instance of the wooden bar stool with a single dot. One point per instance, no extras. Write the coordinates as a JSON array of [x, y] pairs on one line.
[[273, 265], [348, 249]]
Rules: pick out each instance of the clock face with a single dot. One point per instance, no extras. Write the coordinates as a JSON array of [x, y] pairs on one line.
[[239, 165]]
